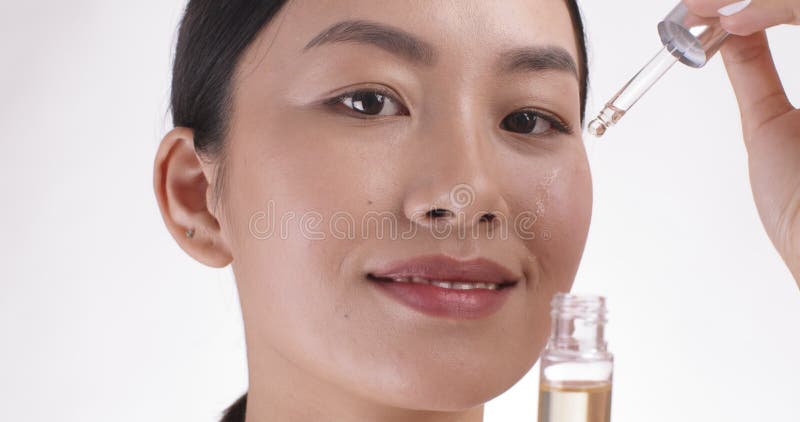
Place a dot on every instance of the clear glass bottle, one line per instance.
(576, 367)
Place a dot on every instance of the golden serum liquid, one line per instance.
(589, 403)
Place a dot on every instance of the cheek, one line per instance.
(306, 174)
(284, 189)
(559, 200)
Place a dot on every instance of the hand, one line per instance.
(770, 124)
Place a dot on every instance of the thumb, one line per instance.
(755, 80)
(744, 18)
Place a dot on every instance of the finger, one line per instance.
(747, 16)
(758, 15)
(755, 80)
(708, 8)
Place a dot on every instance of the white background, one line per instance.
(103, 317)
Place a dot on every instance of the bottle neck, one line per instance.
(578, 324)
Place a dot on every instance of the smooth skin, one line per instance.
(323, 343)
(770, 124)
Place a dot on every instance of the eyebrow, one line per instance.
(419, 52)
(537, 59)
(393, 40)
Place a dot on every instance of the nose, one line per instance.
(455, 182)
(458, 204)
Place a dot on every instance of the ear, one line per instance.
(182, 183)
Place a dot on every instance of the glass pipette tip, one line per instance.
(632, 91)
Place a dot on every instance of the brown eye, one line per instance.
(526, 122)
(371, 103)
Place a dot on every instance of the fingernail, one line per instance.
(733, 8)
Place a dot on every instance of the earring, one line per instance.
(190, 233)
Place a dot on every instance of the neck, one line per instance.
(279, 390)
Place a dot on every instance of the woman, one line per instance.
(401, 187)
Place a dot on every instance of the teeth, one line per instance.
(462, 286)
(470, 286)
(455, 285)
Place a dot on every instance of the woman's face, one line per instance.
(321, 190)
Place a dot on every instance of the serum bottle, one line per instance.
(576, 367)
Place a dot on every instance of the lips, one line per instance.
(445, 269)
(441, 286)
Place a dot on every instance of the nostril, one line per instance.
(439, 212)
(488, 217)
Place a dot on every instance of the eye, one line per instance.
(371, 102)
(532, 123)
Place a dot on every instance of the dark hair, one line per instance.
(212, 37)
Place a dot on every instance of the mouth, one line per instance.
(449, 273)
(455, 285)
(442, 286)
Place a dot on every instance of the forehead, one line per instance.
(462, 32)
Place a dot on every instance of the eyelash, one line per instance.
(557, 124)
(341, 97)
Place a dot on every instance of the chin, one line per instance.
(451, 387)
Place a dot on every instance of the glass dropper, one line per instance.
(687, 38)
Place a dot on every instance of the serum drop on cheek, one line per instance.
(576, 367)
